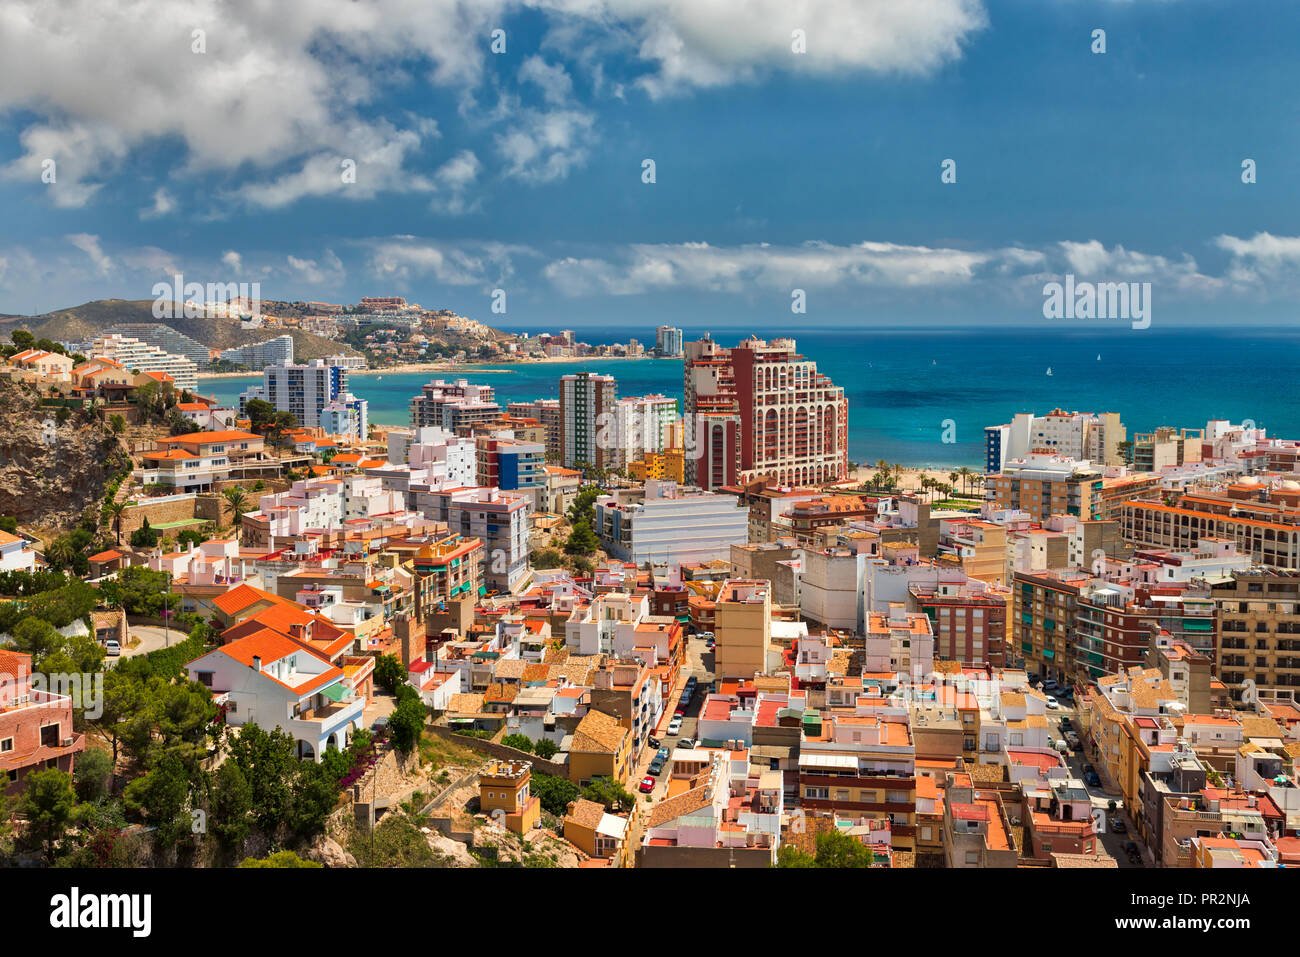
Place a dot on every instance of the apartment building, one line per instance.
(1258, 612)
(969, 620)
(761, 409)
(302, 390)
(1043, 485)
(1268, 536)
(668, 523)
(587, 435)
(454, 406)
(259, 355)
(138, 356)
(743, 628)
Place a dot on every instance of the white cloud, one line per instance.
(545, 146)
(405, 258)
(1261, 257)
(706, 43)
(553, 80)
(1092, 260)
(700, 266)
(329, 271)
(453, 180)
(163, 203)
(89, 245)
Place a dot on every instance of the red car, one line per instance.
(679, 713)
(647, 785)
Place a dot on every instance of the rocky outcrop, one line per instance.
(329, 852)
(51, 472)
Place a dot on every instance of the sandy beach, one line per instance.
(910, 479)
(477, 368)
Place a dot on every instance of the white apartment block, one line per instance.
(668, 524)
(139, 356)
(637, 425)
(302, 390)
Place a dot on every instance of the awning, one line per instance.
(482, 589)
(837, 761)
(335, 692)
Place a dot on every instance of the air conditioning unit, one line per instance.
(67, 742)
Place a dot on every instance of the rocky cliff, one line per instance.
(50, 472)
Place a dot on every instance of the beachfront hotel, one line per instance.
(761, 409)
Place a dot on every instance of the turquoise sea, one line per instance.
(903, 385)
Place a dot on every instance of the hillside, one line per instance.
(86, 321)
(50, 472)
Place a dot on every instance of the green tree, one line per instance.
(545, 748)
(390, 673)
(91, 774)
(268, 763)
(610, 793)
(144, 536)
(315, 794)
(837, 849)
(116, 423)
(236, 503)
(48, 804)
(259, 412)
(406, 724)
(114, 512)
(161, 797)
(582, 540)
(791, 856)
(554, 793)
(520, 742)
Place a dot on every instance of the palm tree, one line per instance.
(965, 474)
(58, 553)
(952, 478)
(236, 503)
(114, 510)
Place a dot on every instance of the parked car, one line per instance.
(686, 743)
(675, 725)
(653, 742)
(656, 766)
(1072, 740)
(1132, 848)
(679, 713)
(112, 647)
(1118, 826)
(1053, 704)
(1066, 724)
(1092, 780)
(1088, 769)
(647, 785)
(664, 753)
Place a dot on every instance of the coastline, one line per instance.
(478, 368)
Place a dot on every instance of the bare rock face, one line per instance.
(329, 852)
(50, 472)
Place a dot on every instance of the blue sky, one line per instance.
(774, 170)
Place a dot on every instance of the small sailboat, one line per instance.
(1049, 370)
(1098, 356)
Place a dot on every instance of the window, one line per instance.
(49, 735)
(205, 678)
(6, 744)
(972, 857)
(927, 833)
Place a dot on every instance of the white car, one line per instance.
(1053, 704)
(112, 647)
(675, 725)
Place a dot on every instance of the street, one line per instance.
(1110, 843)
(699, 662)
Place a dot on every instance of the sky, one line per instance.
(334, 149)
